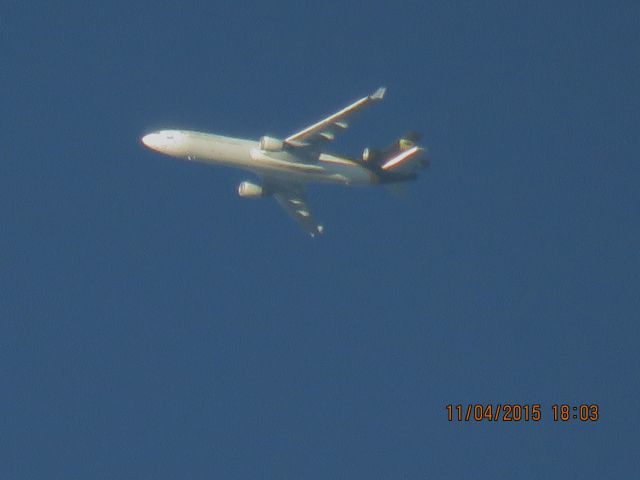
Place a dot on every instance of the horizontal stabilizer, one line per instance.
(402, 158)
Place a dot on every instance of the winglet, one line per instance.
(379, 94)
(319, 230)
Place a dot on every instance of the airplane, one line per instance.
(285, 166)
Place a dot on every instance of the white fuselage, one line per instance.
(246, 154)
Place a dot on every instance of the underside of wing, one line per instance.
(292, 198)
(326, 130)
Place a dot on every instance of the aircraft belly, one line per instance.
(245, 155)
(333, 174)
(223, 153)
(349, 175)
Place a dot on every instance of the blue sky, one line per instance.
(155, 325)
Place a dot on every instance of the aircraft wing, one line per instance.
(292, 198)
(326, 129)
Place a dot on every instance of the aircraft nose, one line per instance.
(150, 140)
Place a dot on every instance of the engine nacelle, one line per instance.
(270, 144)
(250, 190)
(368, 154)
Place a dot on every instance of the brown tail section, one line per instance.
(404, 155)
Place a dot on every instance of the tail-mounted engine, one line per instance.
(369, 154)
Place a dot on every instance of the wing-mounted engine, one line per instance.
(250, 190)
(270, 144)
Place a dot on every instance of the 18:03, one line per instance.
(583, 412)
